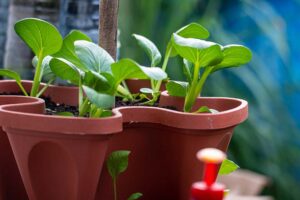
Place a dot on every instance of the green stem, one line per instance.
(124, 92)
(164, 67)
(196, 87)
(37, 76)
(45, 87)
(83, 107)
(115, 189)
(22, 88)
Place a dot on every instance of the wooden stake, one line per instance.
(108, 26)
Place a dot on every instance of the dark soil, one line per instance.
(53, 108)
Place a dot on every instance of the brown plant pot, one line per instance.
(58, 157)
(163, 145)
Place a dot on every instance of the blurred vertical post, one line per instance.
(17, 55)
(3, 24)
(108, 26)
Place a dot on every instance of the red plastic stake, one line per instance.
(208, 189)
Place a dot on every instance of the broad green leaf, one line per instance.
(101, 100)
(128, 69)
(10, 74)
(93, 56)
(117, 163)
(67, 50)
(42, 37)
(177, 88)
(146, 90)
(198, 51)
(66, 114)
(135, 196)
(192, 30)
(47, 72)
(228, 167)
(97, 82)
(233, 56)
(188, 68)
(65, 70)
(15, 76)
(150, 48)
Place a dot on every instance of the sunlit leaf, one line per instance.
(150, 48)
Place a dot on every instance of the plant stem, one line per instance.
(37, 76)
(22, 89)
(83, 107)
(115, 189)
(164, 67)
(196, 88)
(124, 92)
(45, 87)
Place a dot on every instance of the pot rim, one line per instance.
(133, 114)
(12, 116)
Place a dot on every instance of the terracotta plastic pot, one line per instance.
(11, 185)
(58, 157)
(163, 144)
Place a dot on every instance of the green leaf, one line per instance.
(135, 196)
(117, 163)
(205, 109)
(66, 114)
(97, 81)
(228, 167)
(177, 88)
(234, 56)
(198, 51)
(15, 76)
(146, 90)
(101, 100)
(10, 74)
(93, 56)
(106, 113)
(150, 48)
(67, 50)
(65, 70)
(192, 30)
(128, 69)
(42, 37)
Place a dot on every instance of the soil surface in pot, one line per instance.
(53, 108)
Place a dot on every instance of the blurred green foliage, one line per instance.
(267, 142)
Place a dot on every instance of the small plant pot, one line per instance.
(163, 145)
(11, 185)
(58, 157)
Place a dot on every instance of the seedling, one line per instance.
(97, 75)
(201, 59)
(192, 30)
(117, 163)
(44, 40)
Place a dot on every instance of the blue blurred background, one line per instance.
(269, 142)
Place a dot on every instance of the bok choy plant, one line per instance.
(44, 40)
(201, 59)
(192, 30)
(97, 75)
